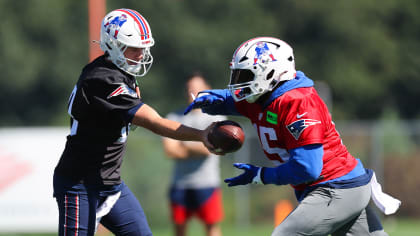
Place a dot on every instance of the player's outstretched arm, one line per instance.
(214, 102)
(148, 118)
(305, 165)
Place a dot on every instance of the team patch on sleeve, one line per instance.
(296, 128)
(272, 117)
(123, 89)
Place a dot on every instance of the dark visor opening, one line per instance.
(240, 76)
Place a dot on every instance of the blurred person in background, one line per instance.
(195, 184)
(296, 131)
(103, 105)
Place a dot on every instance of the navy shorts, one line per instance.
(204, 203)
(78, 205)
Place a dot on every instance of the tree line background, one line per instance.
(366, 51)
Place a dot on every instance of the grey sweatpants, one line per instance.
(336, 212)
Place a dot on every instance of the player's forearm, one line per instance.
(175, 130)
(304, 166)
(148, 118)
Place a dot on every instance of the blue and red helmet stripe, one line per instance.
(141, 22)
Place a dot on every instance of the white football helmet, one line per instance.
(124, 28)
(258, 65)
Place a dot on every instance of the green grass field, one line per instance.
(394, 227)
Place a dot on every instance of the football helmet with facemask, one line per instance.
(124, 28)
(258, 65)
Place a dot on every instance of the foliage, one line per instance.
(43, 50)
(366, 51)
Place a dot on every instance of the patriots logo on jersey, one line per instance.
(123, 89)
(296, 128)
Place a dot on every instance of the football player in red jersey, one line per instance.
(296, 131)
(103, 105)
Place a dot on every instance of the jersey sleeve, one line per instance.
(112, 97)
(303, 123)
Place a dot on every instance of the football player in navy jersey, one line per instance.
(296, 132)
(104, 103)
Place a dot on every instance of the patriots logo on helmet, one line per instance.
(123, 89)
(296, 128)
(115, 24)
(263, 53)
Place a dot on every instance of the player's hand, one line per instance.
(247, 177)
(206, 98)
(207, 143)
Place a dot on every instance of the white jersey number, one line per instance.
(75, 124)
(269, 134)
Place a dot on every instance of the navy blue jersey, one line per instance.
(101, 107)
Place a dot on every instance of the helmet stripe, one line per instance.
(240, 46)
(141, 22)
(244, 43)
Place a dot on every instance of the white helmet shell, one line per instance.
(124, 28)
(258, 65)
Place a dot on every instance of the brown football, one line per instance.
(227, 136)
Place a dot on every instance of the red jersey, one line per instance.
(297, 118)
